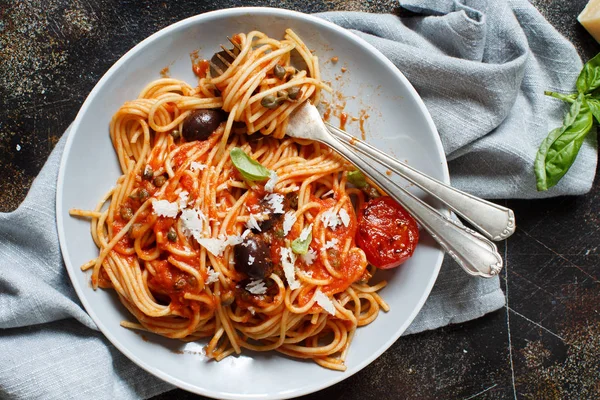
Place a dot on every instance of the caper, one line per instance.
(126, 213)
(141, 194)
(172, 235)
(269, 102)
(179, 284)
(294, 92)
(176, 134)
(148, 173)
(159, 180)
(282, 94)
(279, 71)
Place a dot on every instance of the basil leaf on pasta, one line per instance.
(357, 179)
(249, 168)
(301, 246)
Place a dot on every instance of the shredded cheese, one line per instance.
(213, 276)
(310, 257)
(324, 302)
(216, 246)
(196, 166)
(288, 259)
(344, 216)
(164, 208)
(330, 219)
(192, 223)
(288, 222)
(305, 232)
(331, 243)
(256, 287)
(270, 185)
(253, 223)
(276, 202)
(183, 199)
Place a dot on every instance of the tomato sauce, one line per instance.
(343, 120)
(200, 68)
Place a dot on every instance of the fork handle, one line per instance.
(477, 255)
(494, 221)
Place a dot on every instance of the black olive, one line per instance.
(200, 124)
(268, 224)
(291, 199)
(253, 257)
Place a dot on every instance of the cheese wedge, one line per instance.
(590, 18)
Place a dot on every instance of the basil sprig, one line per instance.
(250, 169)
(560, 148)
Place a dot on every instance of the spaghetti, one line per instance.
(197, 247)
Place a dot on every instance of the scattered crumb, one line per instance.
(334, 59)
(388, 172)
(165, 72)
(344, 69)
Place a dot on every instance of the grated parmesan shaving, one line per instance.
(213, 276)
(245, 233)
(270, 185)
(253, 223)
(331, 243)
(288, 259)
(196, 166)
(276, 202)
(183, 199)
(256, 287)
(324, 302)
(330, 193)
(288, 222)
(192, 222)
(250, 260)
(344, 216)
(305, 232)
(164, 208)
(330, 219)
(216, 246)
(309, 257)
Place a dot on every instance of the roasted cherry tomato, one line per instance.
(387, 233)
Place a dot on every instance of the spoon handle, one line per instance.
(477, 255)
(494, 221)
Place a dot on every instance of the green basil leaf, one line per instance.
(589, 77)
(559, 150)
(249, 168)
(357, 179)
(301, 246)
(594, 106)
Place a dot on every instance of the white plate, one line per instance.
(398, 123)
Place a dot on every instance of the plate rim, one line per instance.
(72, 131)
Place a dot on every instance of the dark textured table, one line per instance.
(545, 344)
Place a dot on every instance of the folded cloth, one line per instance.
(481, 68)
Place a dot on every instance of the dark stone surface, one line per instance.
(544, 344)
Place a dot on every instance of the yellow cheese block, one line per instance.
(590, 18)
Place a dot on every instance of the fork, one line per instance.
(476, 254)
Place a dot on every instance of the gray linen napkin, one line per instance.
(481, 69)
